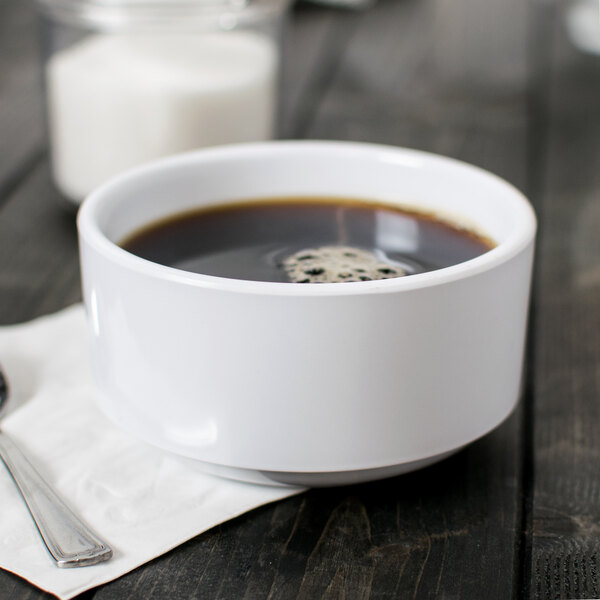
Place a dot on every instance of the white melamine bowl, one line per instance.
(307, 384)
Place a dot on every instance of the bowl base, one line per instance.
(318, 479)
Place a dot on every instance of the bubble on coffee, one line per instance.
(338, 264)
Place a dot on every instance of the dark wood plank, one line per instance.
(39, 268)
(566, 503)
(311, 34)
(313, 47)
(445, 77)
(21, 137)
(15, 588)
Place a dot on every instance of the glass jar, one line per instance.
(129, 81)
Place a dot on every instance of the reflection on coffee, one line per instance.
(306, 240)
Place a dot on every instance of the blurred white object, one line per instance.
(582, 19)
(129, 82)
(116, 101)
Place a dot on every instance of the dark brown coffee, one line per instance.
(306, 240)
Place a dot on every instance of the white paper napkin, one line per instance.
(141, 501)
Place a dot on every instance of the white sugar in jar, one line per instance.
(129, 82)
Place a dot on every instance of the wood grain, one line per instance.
(566, 504)
(21, 130)
(39, 268)
(423, 75)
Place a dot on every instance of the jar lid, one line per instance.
(111, 15)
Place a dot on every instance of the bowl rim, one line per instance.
(520, 238)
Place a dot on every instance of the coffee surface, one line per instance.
(306, 240)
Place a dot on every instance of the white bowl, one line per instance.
(307, 384)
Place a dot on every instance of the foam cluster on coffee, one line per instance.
(337, 264)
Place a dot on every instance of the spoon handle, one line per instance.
(69, 541)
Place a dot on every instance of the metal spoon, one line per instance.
(70, 542)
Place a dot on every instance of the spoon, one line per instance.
(70, 542)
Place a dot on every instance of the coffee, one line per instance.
(306, 240)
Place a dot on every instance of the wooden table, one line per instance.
(516, 514)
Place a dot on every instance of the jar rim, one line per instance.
(111, 15)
